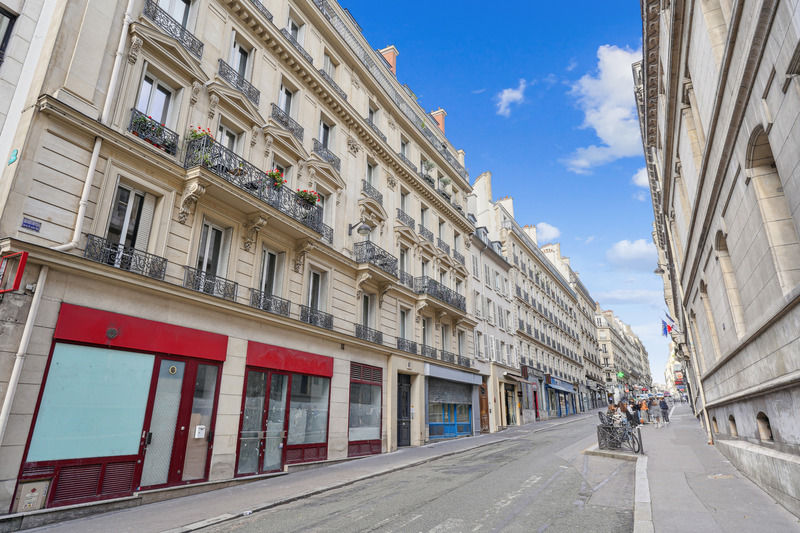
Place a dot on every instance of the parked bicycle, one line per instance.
(620, 436)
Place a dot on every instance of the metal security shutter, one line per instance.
(366, 373)
(443, 391)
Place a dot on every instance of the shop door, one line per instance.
(178, 431)
(403, 410)
(511, 407)
(484, 399)
(262, 437)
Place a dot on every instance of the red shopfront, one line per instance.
(285, 409)
(127, 404)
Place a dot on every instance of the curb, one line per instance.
(623, 456)
(642, 510)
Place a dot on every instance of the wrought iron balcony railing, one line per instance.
(369, 252)
(269, 302)
(427, 178)
(426, 233)
(516, 260)
(443, 246)
(232, 76)
(315, 317)
(335, 86)
(371, 191)
(449, 357)
(464, 361)
(124, 257)
(206, 152)
(369, 334)
(431, 287)
(264, 11)
(407, 161)
(519, 291)
(405, 218)
(459, 257)
(406, 345)
(376, 129)
(521, 325)
(283, 118)
(153, 132)
(198, 280)
(322, 151)
(444, 194)
(297, 45)
(528, 329)
(407, 279)
(173, 28)
(428, 351)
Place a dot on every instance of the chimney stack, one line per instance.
(438, 116)
(390, 54)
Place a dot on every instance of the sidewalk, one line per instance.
(193, 512)
(694, 488)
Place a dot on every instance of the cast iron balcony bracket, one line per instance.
(369, 334)
(232, 76)
(371, 191)
(403, 217)
(151, 131)
(443, 246)
(269, 303)
(333, 84)
(264, 11)
(375, 128)
(124, 257)
(327, 155)
(406, 345)
(281, 117)
(316, 317)
(369, 252)
(297, 45)
(426, 233)
(173, 28)
(198, 280)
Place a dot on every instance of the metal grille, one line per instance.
(264, 11)
(369, 334)
(232, 76)
(316, 317)
(406, 345)
(428, 351)
(124, 257)
(153, 132)
(281, 117)
(369, 252)
(77, 482)
(371, 191)
(443, 246)
(431, 287)
(444, 194)
(426, 233)
(327, 155)
(269, 302)
(173, 28)
(297, 45)
(407, 279)
(449, 357)
(335, 86)
(407, 161)
(214, 285)
(118, 478)
(361, 372)
(459, 257)
(377, 130)
(404, 217)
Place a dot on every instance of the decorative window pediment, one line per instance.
(236, 101)
(164, 48)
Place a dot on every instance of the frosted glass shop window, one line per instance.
(308, 409)
(93, 404)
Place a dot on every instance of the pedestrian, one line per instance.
(644, 412)
(664, 410)
(635, 412)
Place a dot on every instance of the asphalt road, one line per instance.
(536, 481)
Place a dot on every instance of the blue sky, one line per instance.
(541, 94)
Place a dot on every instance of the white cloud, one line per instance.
(630, 296)
(572, 64)
(609, 109)
(640, 179)
(478, 91)
(546, 232)
(641, 196)
(509, 96)
(637, 255)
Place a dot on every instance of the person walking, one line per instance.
(664, 410)
(636, 414)
(644, 412)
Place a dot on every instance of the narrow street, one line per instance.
(535, 481)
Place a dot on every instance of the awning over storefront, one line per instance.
(560, 385)
(530, 381)
(452, 374)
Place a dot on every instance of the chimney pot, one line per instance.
(390, 54)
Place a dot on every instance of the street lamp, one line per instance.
(363, 229)
(660, 271)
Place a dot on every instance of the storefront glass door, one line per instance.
(262, 438)
(275, 437)
(160, 437)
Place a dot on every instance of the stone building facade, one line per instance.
(718, 93)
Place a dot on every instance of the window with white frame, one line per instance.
(213, 250)
(227, 137)
(372, 173)
(131, 218)
(325, 132)
(329, 65)
(403, 147)
(177, 9)
(272, 264)
(296, 28)
(283, 168)
(479, 345)
(155, 99)
(286, 99)
(317, 285)
(240, 56)
(403, 325)
(462, 343)
(367, 303)
(426, 331)
(475, 268)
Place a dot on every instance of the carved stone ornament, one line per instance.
(352, 146)
(268, 140)
(254, 131)
(339, 197)
(251, 230)
(392, 125)
(391, 182)
(136, 47)
(191, 193)
(301, 252)
(383, 289)
(356, 82)
(362, 278)
(212, 105)
(418, 311)
(196, 87)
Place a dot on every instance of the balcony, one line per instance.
(152, 132)
(428, 351)
(428, 179)
(369, 252)
(407, 161)
(335, 86)
(198, 280)
(426, 233)
(516, 259)
(297, 45)
(263, 10)
(377, 130)
(127, 258)
(521, 325)
(430, 287)
(443, 246)
(371, 191)
(407, 279)
(269, 303)
(464, 361)
(282, 117)
(404, 217)
(369, 334)
(448, 357)
(315, 317)
(173, 28)
(326, 155)
(406, 345)
(206, 152)
(237, 81)
(459, 257)
(444, 194)
(528, 329)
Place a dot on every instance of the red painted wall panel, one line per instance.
(84, 324)
(280, 358)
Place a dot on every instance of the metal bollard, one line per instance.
(641, 442)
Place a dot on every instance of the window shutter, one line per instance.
(145, 222)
